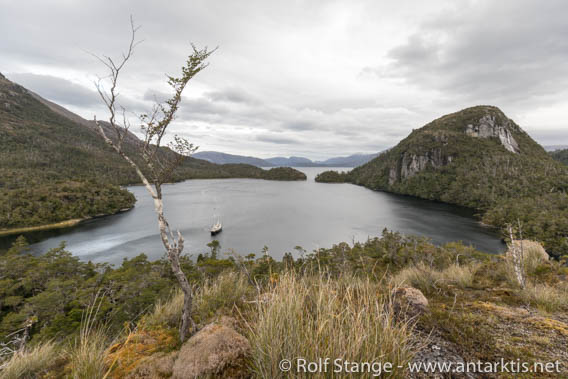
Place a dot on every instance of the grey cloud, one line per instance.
(278, 75)
(65, 92)
(156, 96)
(56, 89)
(512, 51)
(546, 136)
(299, 125)
(201, 108)
(232, 95)
(280, 140)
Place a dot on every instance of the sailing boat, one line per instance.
(216, 228)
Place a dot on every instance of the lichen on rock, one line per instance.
(409, 302)
(217, 350)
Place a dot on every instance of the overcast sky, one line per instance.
(309, 78)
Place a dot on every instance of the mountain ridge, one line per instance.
(352, 160)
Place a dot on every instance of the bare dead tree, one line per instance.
(517, 256)
(159, 163)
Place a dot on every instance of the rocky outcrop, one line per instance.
(409, 302)
(217, 350)
(489, 127)
(411, 164)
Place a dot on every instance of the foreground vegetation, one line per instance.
(440, 161)
(91, 320)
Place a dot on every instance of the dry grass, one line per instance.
(215, 296)
(460, 275)
(87, 356)
(545, 297)
(221, 295)
(313, 317)
(533, 256)
(166, 313)
(420, 276)
(30, 363)
(429, 280)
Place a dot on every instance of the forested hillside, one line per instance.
(560, 156)
(480, 159)
(54, 166)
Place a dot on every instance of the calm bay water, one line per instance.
(256, 213)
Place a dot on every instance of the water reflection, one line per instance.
(255, 213)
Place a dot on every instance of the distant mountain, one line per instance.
(480, 159)
(349, 161)
(55, 167)
(555, 147)
(291, 162)
(223, 158)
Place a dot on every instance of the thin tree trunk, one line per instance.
(173, 247)
(155, 128)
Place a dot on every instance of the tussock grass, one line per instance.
(166, 313)
(545, 297)
(428, 279)
(460, 275)
(533, 255)
(313, 317)
(421, 276)
(87, 356)
(30, 363)
(533, 258)
(221, 294)
(217, 295)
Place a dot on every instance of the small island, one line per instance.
(332, 176)
(284, 173)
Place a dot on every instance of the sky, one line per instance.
(305, 78)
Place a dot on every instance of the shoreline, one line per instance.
(57, 225)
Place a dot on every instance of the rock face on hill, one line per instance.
(488, 126)
(478, 158)
(475, 134)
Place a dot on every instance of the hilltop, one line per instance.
(55, 167)
(478, 158)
